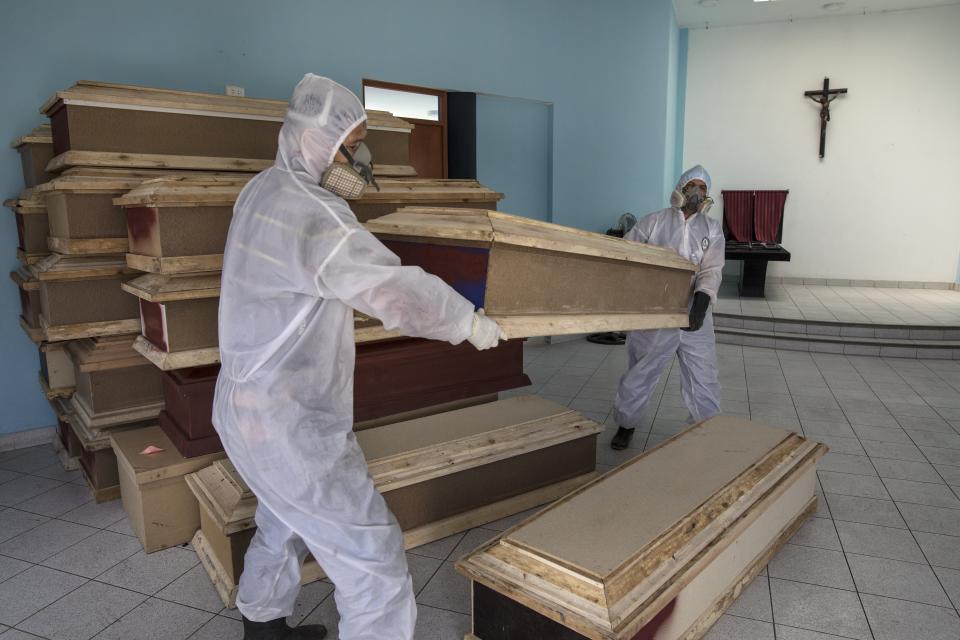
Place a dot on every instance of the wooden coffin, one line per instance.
(115, 385)
(28, 286)
(187, 417)
(80, 297)
(65, 443)
(30, 212)
(657, 548)
(537, 278)
(36, 151)
(116, 125)
(162, 510)
(440, 475)
(57, 375)
(179, 224)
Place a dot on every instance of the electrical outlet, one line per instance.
(234, 90)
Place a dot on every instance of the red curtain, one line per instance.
(768, 213)
(738, 214)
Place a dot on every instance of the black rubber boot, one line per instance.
(278, 630)
(622, 439)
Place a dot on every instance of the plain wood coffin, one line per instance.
(66, 445)
(657, 548)
(28, 286)
(162, 510)
(36, 151)
(179, 224)
(57, 374)
(537, 278)
(102, 124)
(439, 474)
(30, 212)
(80, 297)
(115, 385)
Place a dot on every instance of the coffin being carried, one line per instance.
(536, 278)
(656, 549)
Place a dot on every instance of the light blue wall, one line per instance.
(514, 153)
(682, 48)
(603, 64)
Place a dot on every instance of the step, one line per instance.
(847, 345)
(821, 328)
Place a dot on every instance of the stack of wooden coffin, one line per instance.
(655, 549)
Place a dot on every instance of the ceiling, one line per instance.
(698, 14)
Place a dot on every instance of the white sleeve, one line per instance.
(365, 275)
(711, 265)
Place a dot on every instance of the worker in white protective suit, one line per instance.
(686, 228)
(297, 263)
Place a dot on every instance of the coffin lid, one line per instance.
(482, 227)
(414, 451)
(157, 287)
(117, 180)
(684, 495)
(148, 468)
(40, 135)
(25, 279)
(223, 190)
(28, 202)
(102, 354)
(60, 267)
(88, 92)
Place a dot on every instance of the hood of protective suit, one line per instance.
(694, 173)
(320, 116)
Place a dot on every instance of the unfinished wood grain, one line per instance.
(175, 265)
(85, 179)
(186, 190)
(157, 287)
(57, 267)
(69, 159)
(41, 134)
(37, 335)
(104, 354)
(25, 280)
(557, 325)
(394, 170)
(88, 246)
(55, 394)
(88, 329)
(30, 259)
(29, 202)
(384, 120)
(177, 360)
(113, 418)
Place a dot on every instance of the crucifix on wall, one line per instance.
(824, 97)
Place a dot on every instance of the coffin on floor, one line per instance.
(657, 548)
(439, 475)
(80, 297)
(36, 151)
(537, 278)
(103, 124)
(178, 224)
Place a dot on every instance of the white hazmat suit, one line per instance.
(296, 264)
(700, 240)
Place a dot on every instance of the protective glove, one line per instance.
(698, 310)
(486, 333)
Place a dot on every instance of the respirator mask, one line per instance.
(349, 179)
(692, 197)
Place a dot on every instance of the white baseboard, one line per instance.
(29, 438)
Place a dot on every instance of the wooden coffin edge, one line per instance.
(30, 259)
(69, 463)
(37, 335)
(103, 494)
(155, 161)
(176, 359)
(520, 326)
(63, 393)
(113, 418)
(87, 246)
(39, 135)
(25, 280)
(127, 357)
(155, 287)
(524, 583)
(413, 538)
(175, 265)
(505, 228)
(48, 269)
(62, 332)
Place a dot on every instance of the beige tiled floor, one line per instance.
(865, 305)
(880, 560)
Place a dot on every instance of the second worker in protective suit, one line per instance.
(297, 263)
(686, 228)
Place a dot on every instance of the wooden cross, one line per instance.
(824, 97)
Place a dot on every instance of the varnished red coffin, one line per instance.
(390, 377)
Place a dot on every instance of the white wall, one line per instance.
(885, 202)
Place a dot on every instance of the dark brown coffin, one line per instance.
(36, 151)
(111, 377)
(30, 213)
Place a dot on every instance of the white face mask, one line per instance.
(349, 179)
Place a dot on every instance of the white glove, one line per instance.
(486, 333)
